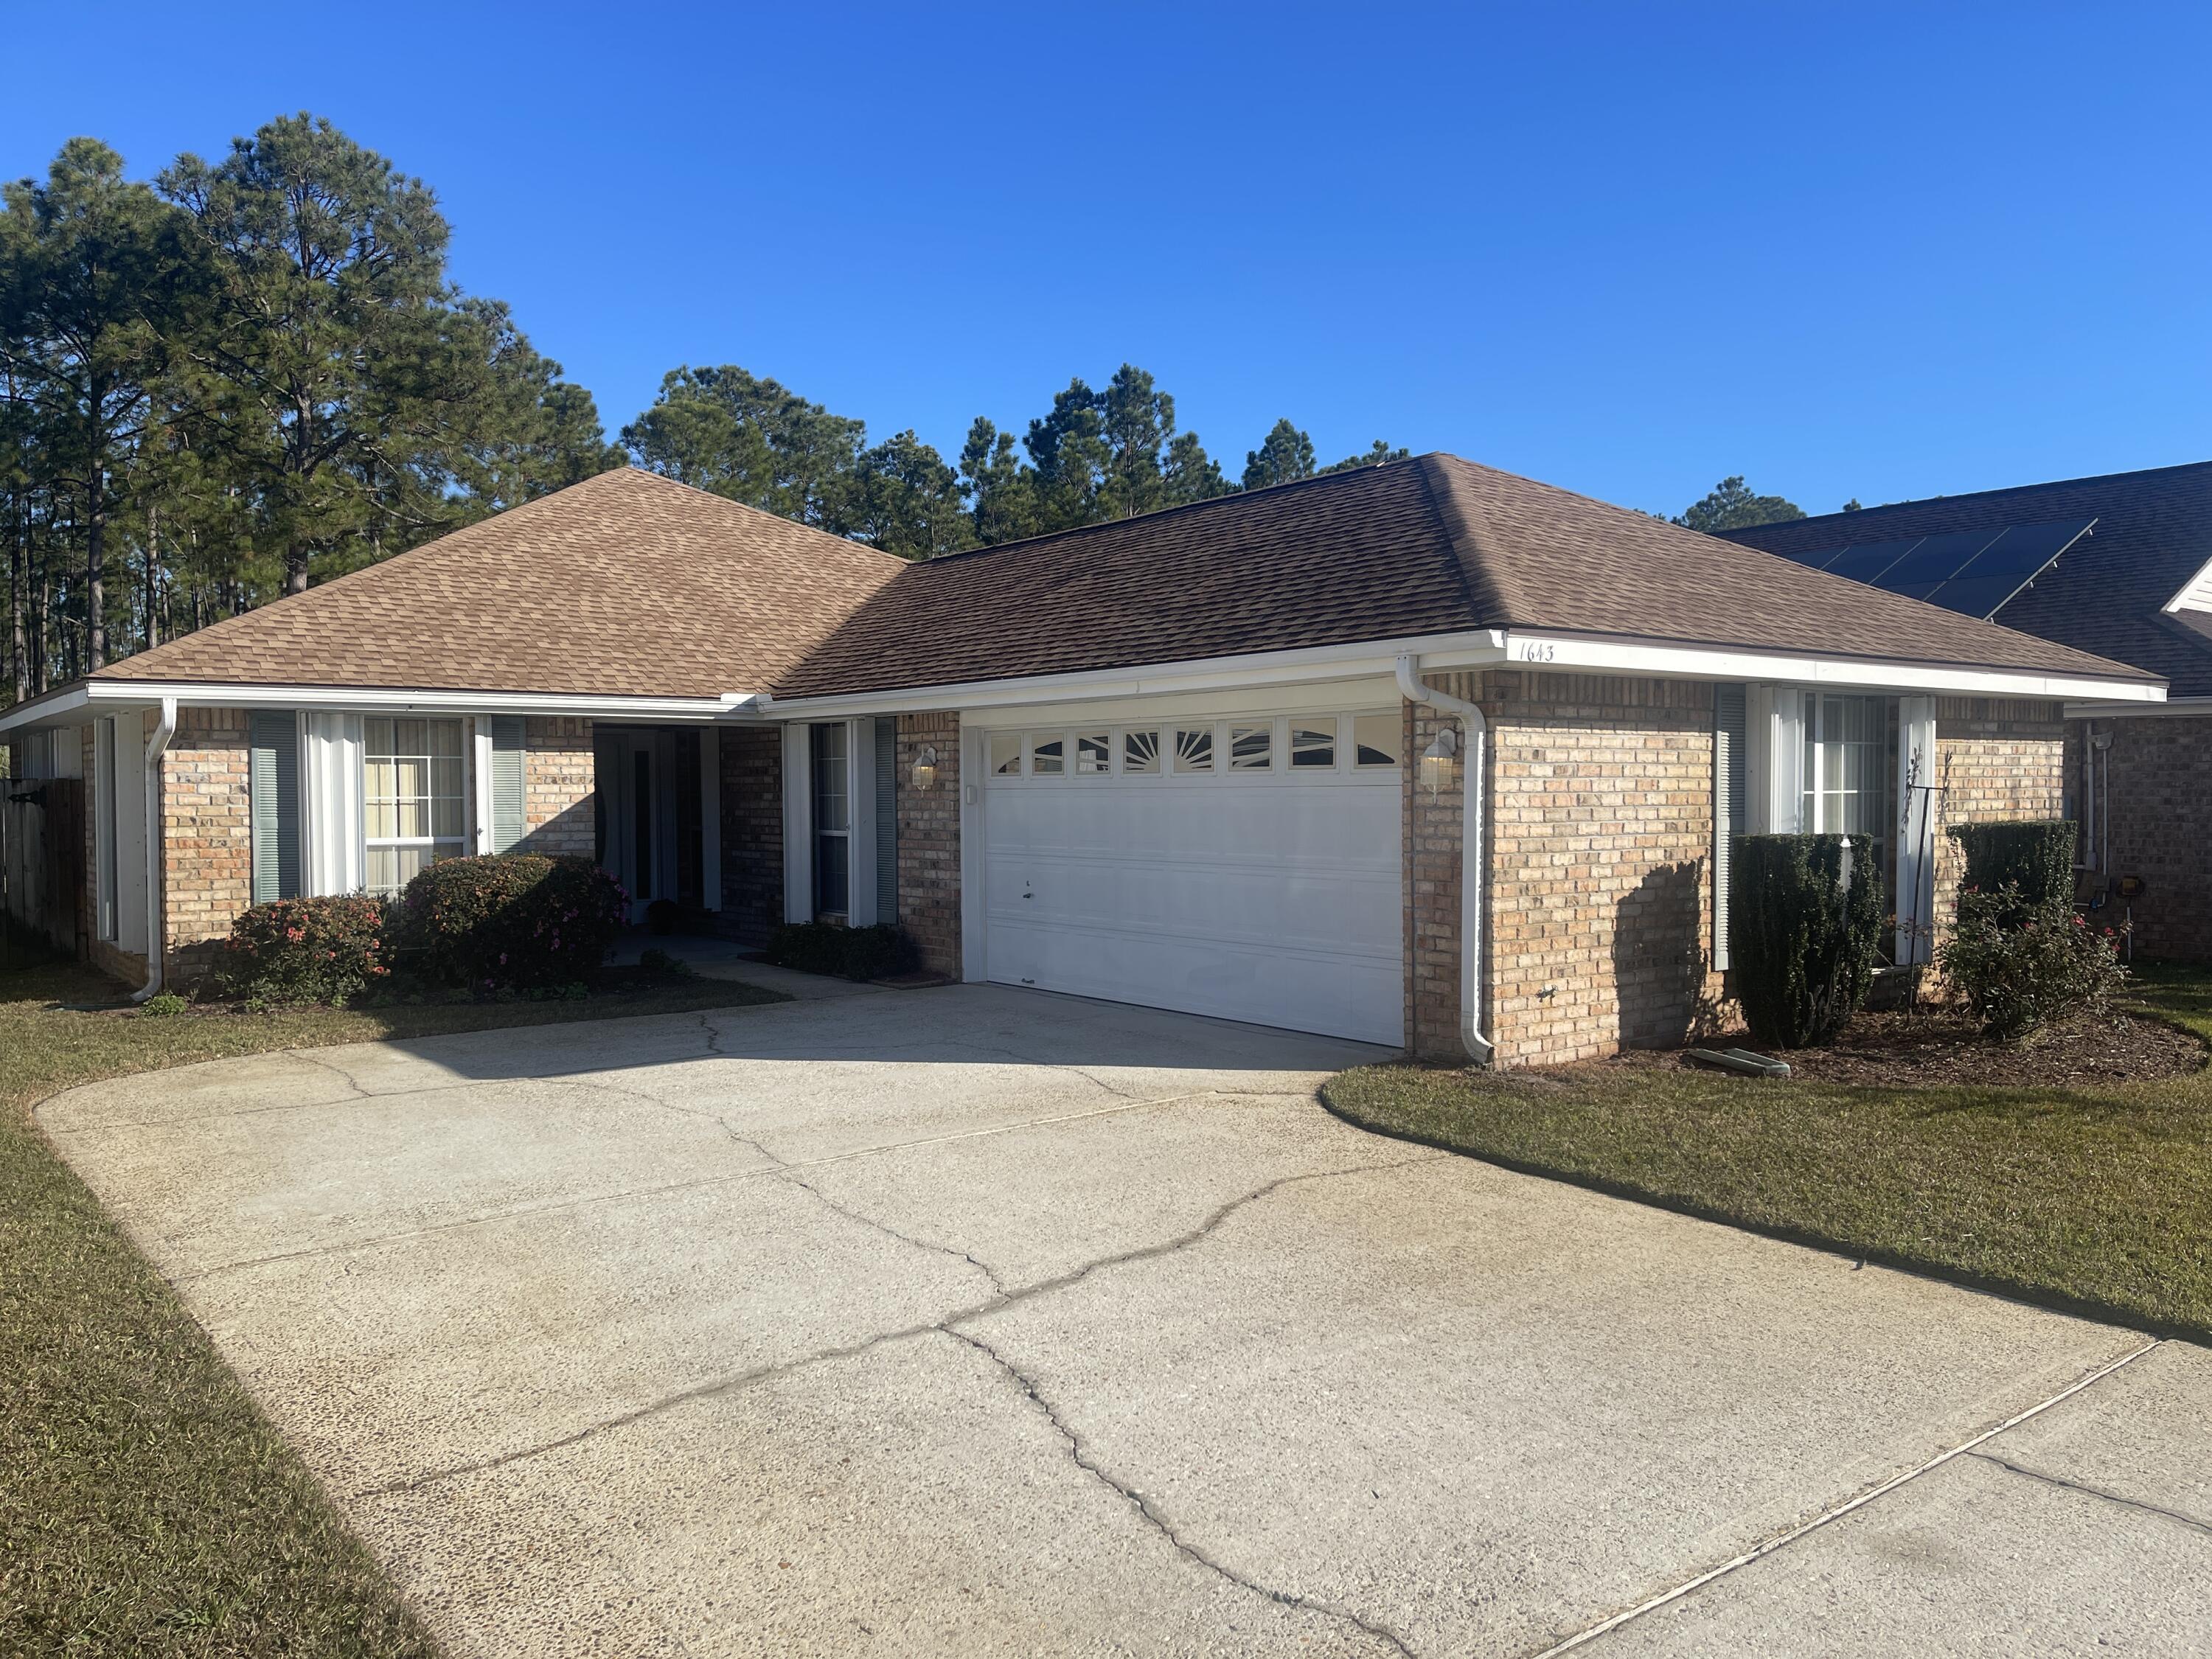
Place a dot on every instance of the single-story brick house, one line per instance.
(2120, 566)
(1424, 753)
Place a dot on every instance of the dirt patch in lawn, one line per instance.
(1936, 1047)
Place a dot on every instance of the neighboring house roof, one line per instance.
(628, 585)
(625, 584)
(1428, 546)
(2109, 591)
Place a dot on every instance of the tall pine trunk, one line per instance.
(152, 574)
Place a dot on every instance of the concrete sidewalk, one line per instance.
(984, 1321)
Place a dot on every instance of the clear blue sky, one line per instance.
(1843, 248)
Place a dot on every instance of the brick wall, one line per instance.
(1996, 759)
(557, 781)
(1433, 870)
(1601, 892)
(207, 835)
(752, 831)
(929, 842)
(2157, 782)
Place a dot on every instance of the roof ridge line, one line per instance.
(1486, 590)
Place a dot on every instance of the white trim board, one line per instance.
(370, 699)
(1565, 652)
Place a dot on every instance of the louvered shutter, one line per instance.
(274, 779)
(887, 820)
(508, 823)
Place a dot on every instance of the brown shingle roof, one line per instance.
(625, 584)
(1429, 546)
(629, 585)
(2107, 594)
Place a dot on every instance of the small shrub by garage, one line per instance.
(856, 953)
(305, 949)
(2020, 966)
(2033, 857)
(515, 920)
(1802, 942)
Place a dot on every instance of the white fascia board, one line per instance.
(2196, 594)
(1254, 670)
(57, 708)
(410, 700)
(1530, 649)
(2199, 707)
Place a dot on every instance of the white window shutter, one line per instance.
(1730, 721)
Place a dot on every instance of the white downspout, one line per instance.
(1474, 868)
(157, 743)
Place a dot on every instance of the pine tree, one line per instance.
(1286, 454)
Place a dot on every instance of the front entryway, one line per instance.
(1247, 868)
(650, 821)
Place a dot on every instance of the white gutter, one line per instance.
(157, 743)
(2199, 707)
(372, 700)
(1563, 651)
(1474, 867)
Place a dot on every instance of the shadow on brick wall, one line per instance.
(571, 833)
(1659, 964)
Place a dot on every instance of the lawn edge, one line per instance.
(2024, 1294)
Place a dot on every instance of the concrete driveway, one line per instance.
(984, 1321)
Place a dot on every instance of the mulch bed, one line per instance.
(1938, 1047)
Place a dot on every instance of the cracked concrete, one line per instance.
(984, 1322)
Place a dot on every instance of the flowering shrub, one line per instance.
(304, 950)
(2019, 976)
(517, 920)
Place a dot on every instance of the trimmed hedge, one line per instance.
(305, 949)
(858, 953)
(514, 920)
(2035, 857)
(1801, 948)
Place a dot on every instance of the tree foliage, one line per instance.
(1731, 505)
(249, 373)
(254, 372)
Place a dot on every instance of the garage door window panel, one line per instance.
(1048, 754)
(1251, 748)
(1006, 754)
(1313, 745)
(1194, 749)
(1094, 753)
(1140, 752)
(1377, 739)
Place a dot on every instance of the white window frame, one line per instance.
(462, 843)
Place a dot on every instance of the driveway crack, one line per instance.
(945, 1325)
(1150, 1512)
(889, 1231)
(314, 1058)
(2088, 1491)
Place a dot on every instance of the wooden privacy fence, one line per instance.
(42, 859)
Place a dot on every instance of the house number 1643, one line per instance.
(1538, 650)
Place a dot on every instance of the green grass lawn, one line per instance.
(2095, 1198)
(146, 1508)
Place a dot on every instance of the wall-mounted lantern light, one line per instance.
(1437, 762)
(925, 770)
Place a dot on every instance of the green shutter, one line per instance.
(887, 820)
(275, 774)
(507, 826)
(1729, 725)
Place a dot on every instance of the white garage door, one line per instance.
(1246, 868)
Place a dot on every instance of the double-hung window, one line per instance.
(413, 800)
(1845, 781)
